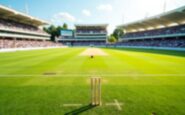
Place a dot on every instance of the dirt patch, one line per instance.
(94, 52)
(49, 73)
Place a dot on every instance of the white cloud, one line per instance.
(86, 12)
(105, 7)
(64, 16)
(79, 21)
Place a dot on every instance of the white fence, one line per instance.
(158, 48)
(26, 49)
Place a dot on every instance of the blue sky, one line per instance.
(112, 12)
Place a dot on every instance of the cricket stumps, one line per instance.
(96, 91)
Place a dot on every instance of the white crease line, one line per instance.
(72, 105)
(110, 104)
(116, 103)
(84, 75)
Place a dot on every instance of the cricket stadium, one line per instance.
(84, 70)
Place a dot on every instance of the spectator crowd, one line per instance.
(10, 24)
(10, 43)
(95, 31)
(157, 32)
(170, 42)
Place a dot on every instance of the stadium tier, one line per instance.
(86, 35)
(19, 30)
(164, 30)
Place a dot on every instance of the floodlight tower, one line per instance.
(164, 6)
(26, 9)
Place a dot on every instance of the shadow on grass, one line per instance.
(155, 51)
(80, 110)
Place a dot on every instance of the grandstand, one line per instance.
(19, 30)
(164, 30)
(89, 35)
(66, 36)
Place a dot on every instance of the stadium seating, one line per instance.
(168, 42)
(12, 25)
(95, 31)
(87, 35)
(163, 30)
(19, 30)
(9, 43)
(164, 37)
(89, 43)
(158, 32)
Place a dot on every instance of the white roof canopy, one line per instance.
(167, 19)
(85, 26)
(8, 13)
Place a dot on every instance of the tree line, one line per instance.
(54, 31)
(114, 37)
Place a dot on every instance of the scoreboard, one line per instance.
(66, 33)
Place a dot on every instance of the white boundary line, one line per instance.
(85, 75)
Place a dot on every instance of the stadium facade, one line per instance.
(87, 34)
(20, 30)
(164, 30)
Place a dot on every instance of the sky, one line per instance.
(112, 12)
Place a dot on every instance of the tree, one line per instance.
(65, 26)
(112, 39)
(58, 29)
(118, 32)
(55, 31)
(52, 31)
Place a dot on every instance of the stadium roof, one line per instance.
(167, 19)
(91, 25)
(12, 14)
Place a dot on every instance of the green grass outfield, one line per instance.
(144, 81)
